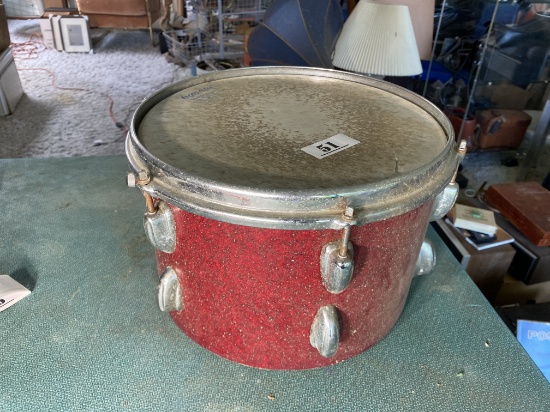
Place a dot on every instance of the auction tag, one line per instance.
(11, 292)
(330, 146)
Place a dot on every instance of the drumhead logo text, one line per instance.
(196, 93)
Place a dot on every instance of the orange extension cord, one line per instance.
(31, 48)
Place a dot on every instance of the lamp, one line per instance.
(378, 39)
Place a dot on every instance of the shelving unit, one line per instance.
(510, 67)
(234, 17)
(218, 31)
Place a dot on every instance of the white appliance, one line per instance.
(10, 85)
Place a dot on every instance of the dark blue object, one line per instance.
(506, 14)
(297, 33)
(437, 71)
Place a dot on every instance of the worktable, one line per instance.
(91, 336)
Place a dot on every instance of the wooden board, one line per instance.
(526, 205)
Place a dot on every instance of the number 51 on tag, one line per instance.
(330, 146)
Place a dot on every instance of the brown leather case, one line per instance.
(526, 205)
(457, 116)
(500, 129)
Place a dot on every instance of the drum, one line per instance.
(288, 208)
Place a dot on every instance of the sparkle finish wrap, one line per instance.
(250, 295)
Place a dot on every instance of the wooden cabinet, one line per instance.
(485, 267)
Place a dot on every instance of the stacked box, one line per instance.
(10, 85)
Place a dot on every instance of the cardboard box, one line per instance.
(47, 33)
(54, 4)
(485, 267)
(59, 12)
(506, 96)
(59, 8)
(4, 32)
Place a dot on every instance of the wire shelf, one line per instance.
(232, 6)
(238, 23)
(191, 47)
(223, 25)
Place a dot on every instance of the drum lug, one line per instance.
(337, 258)
(444, 201)
(426, 259)
(169, 291)
(336, 270)
(160, 228)
(325, 331)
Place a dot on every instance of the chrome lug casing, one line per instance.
(325, 331)
(160, 228)
(426, 259)
(170, 297)
(336, 270)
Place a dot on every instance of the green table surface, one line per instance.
(91, 336)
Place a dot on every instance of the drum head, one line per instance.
(291, 147)
(254, 131)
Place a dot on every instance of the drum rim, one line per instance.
(292, 208)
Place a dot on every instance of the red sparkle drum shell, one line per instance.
(253, 299)
(250, 223)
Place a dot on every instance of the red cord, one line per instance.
(30, 50)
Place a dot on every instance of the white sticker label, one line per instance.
(11, 292)
(329, 146)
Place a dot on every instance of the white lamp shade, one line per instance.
(378, 39)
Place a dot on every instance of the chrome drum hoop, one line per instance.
(294, 209)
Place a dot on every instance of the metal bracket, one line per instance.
(336, 271)
(325, 331)
(169, 291)
(160, 228)
(426, 259)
